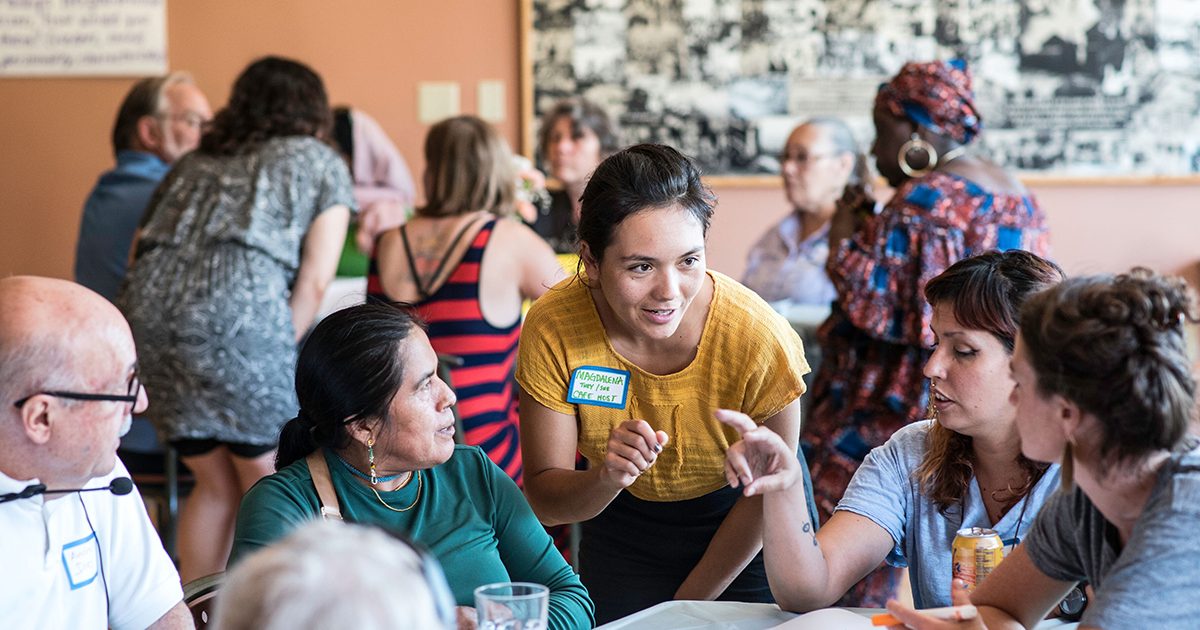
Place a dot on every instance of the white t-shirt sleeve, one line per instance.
(141, 579)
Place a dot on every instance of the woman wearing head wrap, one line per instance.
(950, 202)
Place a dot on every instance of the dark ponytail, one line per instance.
(296, 440)
(349, 369)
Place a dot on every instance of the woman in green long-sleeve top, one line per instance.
(374, 411)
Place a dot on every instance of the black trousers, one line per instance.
(637, 553)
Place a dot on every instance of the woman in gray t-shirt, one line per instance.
(910, 496)
(1104, 385)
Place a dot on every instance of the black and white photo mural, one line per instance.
(1067, 88)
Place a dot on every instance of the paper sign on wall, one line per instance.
(83, 37)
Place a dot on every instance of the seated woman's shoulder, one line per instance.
(912, 433)
(292, 479)
(515, 235)
(469, 469)
(467, 457)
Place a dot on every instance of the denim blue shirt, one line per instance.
(110, 218)
(885, 491)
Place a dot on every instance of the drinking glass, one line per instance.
(512, 606)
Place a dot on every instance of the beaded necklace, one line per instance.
(361, 475)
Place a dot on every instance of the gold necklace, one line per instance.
(410, 505)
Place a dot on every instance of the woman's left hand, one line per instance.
(466, 618)
(917, 620)
(761, 462)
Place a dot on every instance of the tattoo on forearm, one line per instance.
(809, 529)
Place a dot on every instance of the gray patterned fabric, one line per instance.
(207, 296)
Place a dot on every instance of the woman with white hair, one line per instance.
(326, 575)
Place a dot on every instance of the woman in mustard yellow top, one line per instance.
(626, 363)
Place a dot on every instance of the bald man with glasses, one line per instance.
(78, 547)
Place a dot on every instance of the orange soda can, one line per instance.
(975, 553)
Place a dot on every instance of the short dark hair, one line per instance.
(272, 98)
(1116, 346)
(583, 114)
(145, 98)
(349, 369)
(642, 177)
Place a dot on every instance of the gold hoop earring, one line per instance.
(917, 143)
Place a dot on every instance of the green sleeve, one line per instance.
(529, 555)
(272, 509)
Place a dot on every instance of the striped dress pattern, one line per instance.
(487, 403)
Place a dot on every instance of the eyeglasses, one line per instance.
(804, 159)
(131, 395)
(191, 119)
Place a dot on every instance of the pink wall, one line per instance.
(1094, 228)
(54, 132)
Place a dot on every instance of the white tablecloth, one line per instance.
(690, 615)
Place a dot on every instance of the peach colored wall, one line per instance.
(54, 132)
(1094, 228)
(371, 53)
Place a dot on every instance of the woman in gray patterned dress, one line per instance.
(236, 249)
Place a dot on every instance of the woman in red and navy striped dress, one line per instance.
(467, 269)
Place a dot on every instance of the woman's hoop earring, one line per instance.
(916, 143)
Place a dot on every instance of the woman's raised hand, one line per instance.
(633, 447)
(761, 461)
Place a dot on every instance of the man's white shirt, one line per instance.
(56, 566)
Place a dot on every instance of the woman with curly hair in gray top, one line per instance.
(235, 251)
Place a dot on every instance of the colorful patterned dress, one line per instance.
(487, 404)
(876, 341)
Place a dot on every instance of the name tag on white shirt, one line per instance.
(80, 561)
(600, 386)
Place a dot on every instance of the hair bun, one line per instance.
(1150, 301)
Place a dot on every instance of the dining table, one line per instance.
(704, 615)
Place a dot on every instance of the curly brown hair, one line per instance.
(274, 97)
(1116, 347)
(985, 293)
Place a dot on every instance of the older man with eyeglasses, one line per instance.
(159, 121)
(78, 547)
